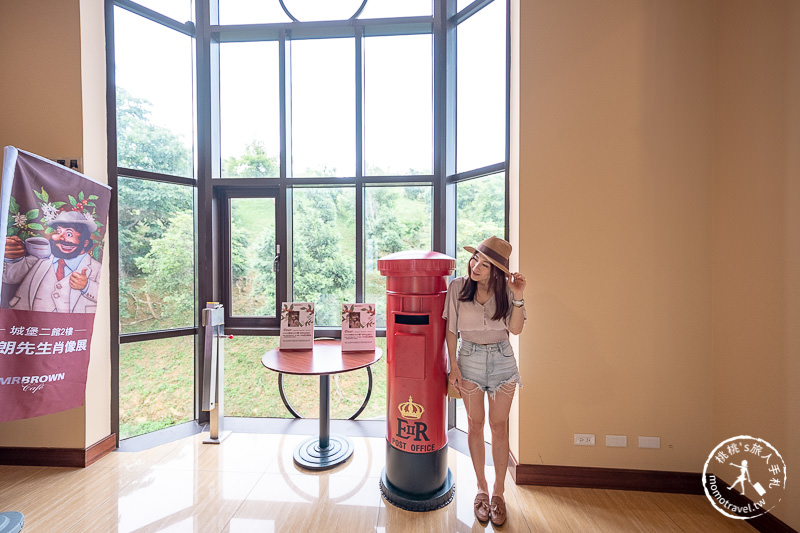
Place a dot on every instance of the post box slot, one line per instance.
(411, 320)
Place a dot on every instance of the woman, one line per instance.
(482, 307)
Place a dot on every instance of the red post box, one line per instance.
(416, 477)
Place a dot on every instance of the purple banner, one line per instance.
(54, 220)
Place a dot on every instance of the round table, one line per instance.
(326, 358)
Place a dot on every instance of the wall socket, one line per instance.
(616, 441)
(649, 442)
(584, 439)
(70, 162)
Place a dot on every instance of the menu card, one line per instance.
(358, 327)
(297, 326)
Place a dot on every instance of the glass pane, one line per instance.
(324, 236)
(481, 89)
(154, 96)
(398, 132)
(347, 392)
(310, 10)
(180, 10)
(323, 108)
(252, 255)
(156, 385)
(395, 219)
(249, 110)
(252, 391)
(251, 12)
(156, 255)
(392, 8)
(480, 214)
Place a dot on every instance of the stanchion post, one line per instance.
(214, 371)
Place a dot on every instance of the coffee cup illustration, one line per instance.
(38, 247)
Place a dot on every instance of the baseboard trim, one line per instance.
(606, 478)
(71, 457)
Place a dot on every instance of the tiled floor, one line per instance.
(250, 483)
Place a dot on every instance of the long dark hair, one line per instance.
(497, 284)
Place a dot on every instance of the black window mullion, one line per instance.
(206, 71)
(283, 210)
(360, 237)
(444, 127)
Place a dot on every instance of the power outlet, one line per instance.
(70, 162)
(649, 442)
(616, 441)
(584, 439)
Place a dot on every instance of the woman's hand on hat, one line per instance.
(517, 285)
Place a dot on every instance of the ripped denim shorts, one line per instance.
(488, 365)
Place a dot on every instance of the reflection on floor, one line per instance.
(250, 483)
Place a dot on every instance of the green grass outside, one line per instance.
(157, 385)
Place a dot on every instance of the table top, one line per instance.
(327, 357)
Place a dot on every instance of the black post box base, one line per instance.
(418, 502)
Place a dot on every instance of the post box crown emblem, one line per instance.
(410, 410)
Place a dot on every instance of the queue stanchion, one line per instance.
(212, 397)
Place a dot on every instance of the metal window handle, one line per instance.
(276, 263)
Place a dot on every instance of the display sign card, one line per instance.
(297, 326)
(358, 327)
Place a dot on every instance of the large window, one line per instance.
(481, 88)
(323, 270)
(156, 255)
(251, 257)
(154, 96)
(249, 110)
(274, 151)
(398, 123)
(323, 107)
(155, 220)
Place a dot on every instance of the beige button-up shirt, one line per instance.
(473, 320)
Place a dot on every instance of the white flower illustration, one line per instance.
(20, 220)
(49, 212)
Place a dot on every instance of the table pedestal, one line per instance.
(325, 451)
(325, 358)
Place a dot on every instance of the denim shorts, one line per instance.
(488, 365)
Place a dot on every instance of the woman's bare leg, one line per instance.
(472, 396)
(499, 409)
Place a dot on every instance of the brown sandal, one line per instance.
(498, 510)
(482, 507)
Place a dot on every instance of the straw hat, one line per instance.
(496, 251)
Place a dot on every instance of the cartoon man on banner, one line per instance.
(66, 280)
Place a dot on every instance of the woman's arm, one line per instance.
(451, 339)
(517, 285)
(517, 320)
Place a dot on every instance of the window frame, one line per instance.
(211, 189)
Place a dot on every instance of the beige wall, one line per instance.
(657, 166)
(95, 158)
(756, 231)
(616, 125)
(53, 104)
